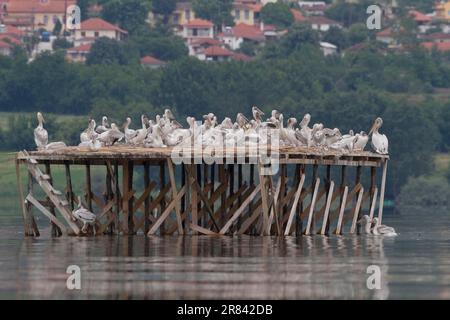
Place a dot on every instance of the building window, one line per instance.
(45, 20)
(187, 13)
(96, 34)
(247, 14)
(83, 34)
(237, 14)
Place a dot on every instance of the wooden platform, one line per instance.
(221, 198)
(76, 155)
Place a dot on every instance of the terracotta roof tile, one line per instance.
(419, 16)
(245, 31)
(216, 51)
(199, 23)
(98, 24)
(81, 48)
(38, 6)
(149, 60)
(13, 31)
(439, 46)
(298, 16)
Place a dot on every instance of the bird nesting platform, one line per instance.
(145, 190)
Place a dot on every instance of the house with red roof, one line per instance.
(197, 28)
(439, 46)
(216, 53)
(248, 12)
(94, 28)
(11, 35)
(235, 36)
(78, 53)
(196, 46)
(298, 16)
(151, 62)
(386, 36)
(321, 23)
(423, 21)
(27, 14)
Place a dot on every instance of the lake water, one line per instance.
(416, 264)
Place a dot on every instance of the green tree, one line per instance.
(349, 13)
(299, 35)
(128, 14)
(109, 51)
(217, 11)
(336, 36)
(164, 8)
(278, 14)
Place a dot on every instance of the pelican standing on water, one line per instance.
(380, 142)
(40, 134)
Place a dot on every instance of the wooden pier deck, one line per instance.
(310, 193)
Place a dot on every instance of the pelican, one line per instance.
(92, 145)
(349, 134)
(168, 115)
(104, 126)
(154, 139)
(129, 133)
(85, 216)
(257, 114)
(367, 224)
(55, 145)
(361, 141)
(382, 230)
(304, 134)
(275, 115)
(89, 133)
(226, 124)
(113, 135)
(331, 136)
(141, 134)
(40, 134)
(241, 120)
(380, 142)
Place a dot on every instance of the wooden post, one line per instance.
(194, 198)
(173, 185)
(88, 187)
(341, 211)
(147, 198)
(109, 195)
(357, 210)
(162, 183)
(310, 225)
(25, 212)
(325, 222)
(294, 205)
(56, 231)
(118, 198)
(311, 221)
(383, 187)
(69, 191)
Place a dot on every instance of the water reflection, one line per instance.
(201, 267)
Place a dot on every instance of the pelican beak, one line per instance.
(372, 129)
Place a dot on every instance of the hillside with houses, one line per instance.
(239, 34)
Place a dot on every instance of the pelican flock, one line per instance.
(373, 227)
(165, 131)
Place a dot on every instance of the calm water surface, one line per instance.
(415, 265)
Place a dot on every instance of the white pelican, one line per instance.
(154, 138)
(304, 134)
(380, 142)
(361, 141)
(241, 120)
(257, 115)
(113, 135)
(331, 136)
(129, 133)
(226, 123)
(104, 126)
(141, 134)
(382, 230)
(40, 134)
(168, 115)
(367, 224)
(55, 145)
(85, 216)
(89, 133)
